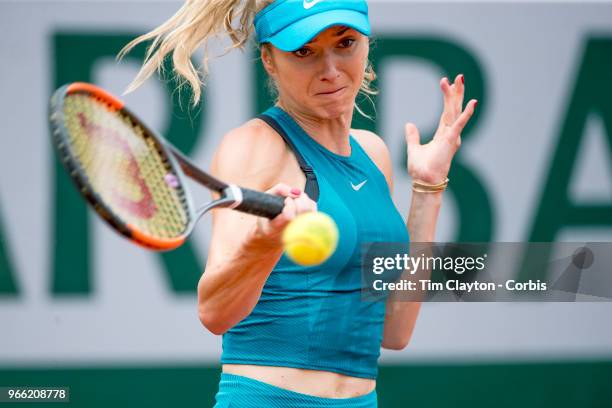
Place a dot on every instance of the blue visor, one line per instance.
(289, 24)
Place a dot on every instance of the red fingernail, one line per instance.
(475, 104)
(462, 79)
(296, 191)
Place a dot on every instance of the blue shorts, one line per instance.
(236, 391)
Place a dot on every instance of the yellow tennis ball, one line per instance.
(310, 238)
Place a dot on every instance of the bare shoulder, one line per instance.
(250, 155)
(376, 148)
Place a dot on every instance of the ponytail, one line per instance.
(193, 25)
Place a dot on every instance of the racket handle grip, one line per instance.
(260, 204)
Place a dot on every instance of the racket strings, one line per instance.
(125, 167)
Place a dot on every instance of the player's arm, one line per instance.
(243, 248)
(428, 163)
(400, 317)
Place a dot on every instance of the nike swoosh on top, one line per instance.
(358, 186)
(310, 4)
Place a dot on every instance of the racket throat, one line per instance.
(231, 197)
(234, 193)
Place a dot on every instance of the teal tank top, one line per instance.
(314, 317)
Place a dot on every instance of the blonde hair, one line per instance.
(192, 26)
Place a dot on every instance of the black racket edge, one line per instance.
(193, 171)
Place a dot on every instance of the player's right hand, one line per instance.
(296, 203)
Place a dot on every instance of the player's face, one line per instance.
(323, 77)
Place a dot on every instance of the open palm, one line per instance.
(430, 163)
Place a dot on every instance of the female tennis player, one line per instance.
(298, 336)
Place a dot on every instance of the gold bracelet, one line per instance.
(421, 187)
(418, 190)
(426, 185)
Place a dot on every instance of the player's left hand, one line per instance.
(430, 163)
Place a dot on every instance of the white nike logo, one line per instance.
(309, 4)
(358, 186)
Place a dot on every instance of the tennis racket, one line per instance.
(132, 177)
